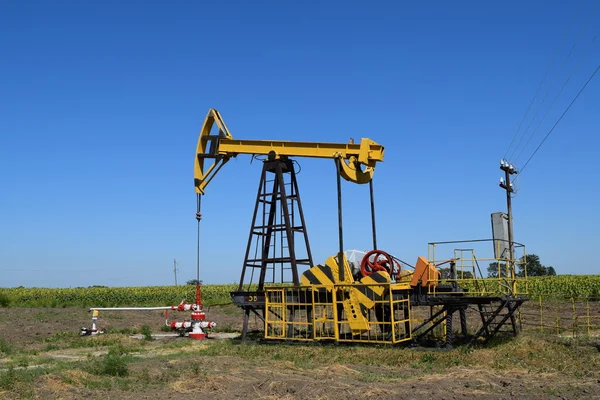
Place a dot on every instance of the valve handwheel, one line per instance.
(377, 260)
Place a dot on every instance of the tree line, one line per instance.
(531, 263)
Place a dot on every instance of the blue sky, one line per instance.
(102, 103)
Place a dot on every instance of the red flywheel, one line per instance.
(378, 260)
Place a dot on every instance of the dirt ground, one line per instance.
(43, 357)
(30, 328)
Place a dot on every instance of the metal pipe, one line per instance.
(475, 240)
(198, 218)
(340, 220)
(373, 214)
(190, 324)
(132, 308)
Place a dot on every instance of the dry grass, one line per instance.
(566, 366)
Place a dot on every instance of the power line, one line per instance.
(555, 99)
(557, 76)
(545, 75)
(560, 118)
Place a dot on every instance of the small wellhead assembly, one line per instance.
(195, 328)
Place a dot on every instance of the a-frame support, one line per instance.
(277, 222)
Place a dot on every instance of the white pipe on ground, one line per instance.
(132, 308)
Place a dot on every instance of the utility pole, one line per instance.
(175, 270)
(507, 185)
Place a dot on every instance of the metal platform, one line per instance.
(325, 313)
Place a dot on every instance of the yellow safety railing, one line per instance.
(378, 313)
(472, 270)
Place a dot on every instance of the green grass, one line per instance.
(71, 340)
(58, 336)
(224, 328)
(147, 332)
(123, 331)
(529, 351)
(8, 378)
(115, 363)
(5, 347)
(21, 381)
(122, 370)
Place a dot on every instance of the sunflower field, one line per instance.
(116, 296)
(557, 287)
